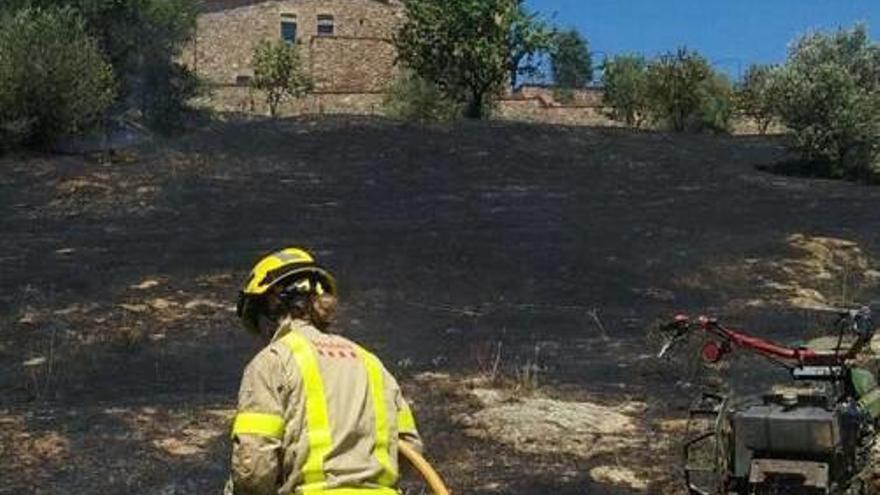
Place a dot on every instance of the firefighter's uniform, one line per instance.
(318, 414)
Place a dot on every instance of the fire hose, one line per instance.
(424, 468)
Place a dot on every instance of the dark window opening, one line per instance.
(288, 28)
(325, 25)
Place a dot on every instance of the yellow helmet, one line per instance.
(291, 268)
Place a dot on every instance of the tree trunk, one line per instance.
(272, 100)
(678, 121)
(514, 70)
(475, 106)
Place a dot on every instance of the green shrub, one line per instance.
(564, 95)
(716, 105)
(625, 80)
(160, 30)
(755, 96)
(412, 98)
(828, 93)
(279, 73)
(141, 39)
(684, 93)
(468, 48)
(53, 78)
(167, 89)
(570, 60)
(675, 82)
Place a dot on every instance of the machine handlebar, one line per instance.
(856, 321)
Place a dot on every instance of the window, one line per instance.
(325, 25)
(288, 28)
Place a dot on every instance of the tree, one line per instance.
(158, 84)
(828, 93)
(625, 80)
(465, 47)
(570, 60)
(716, 104)
(279, 73)
(755, 97)
(675, 87)
(529, 37)
(141, 39)
(53, 78)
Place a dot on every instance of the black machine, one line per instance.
(814, 441)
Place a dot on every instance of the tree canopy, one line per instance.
(570, 60)
(469, 48)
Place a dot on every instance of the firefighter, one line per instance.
(317, 413)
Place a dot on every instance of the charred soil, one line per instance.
(534, 258)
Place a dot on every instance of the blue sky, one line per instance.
(731, 33)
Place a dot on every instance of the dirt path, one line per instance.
(560, 246)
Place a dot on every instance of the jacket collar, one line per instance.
(302, 327)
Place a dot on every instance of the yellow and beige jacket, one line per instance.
(317, 414)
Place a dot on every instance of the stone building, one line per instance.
(345, 46)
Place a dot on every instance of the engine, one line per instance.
(820, 442)
(794, 441)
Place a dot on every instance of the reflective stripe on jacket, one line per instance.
(318, 414)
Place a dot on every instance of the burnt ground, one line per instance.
(120, 354)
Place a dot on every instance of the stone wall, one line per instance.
(351, 65)
(536, 110)
(539, 104)
(241, 99)
(583, 97)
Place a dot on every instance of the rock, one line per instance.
(146, 284)
(37, 361)
(537, 425)
(146, 190)
(176, 447)
(430, 376)
(29, 318)
(618, 476)
(134, 308)
(205, 303)
(676, 426)
(160, 303)
(75, 308)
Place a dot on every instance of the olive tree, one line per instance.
(142, 40)
(625, 79)
(53, 78)
(529, 37)
(279, 73)
(570, 60)
(414, 99)
(755, 96)
(674, 84)
(828, 94)
(717, 105)
(468, 48)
